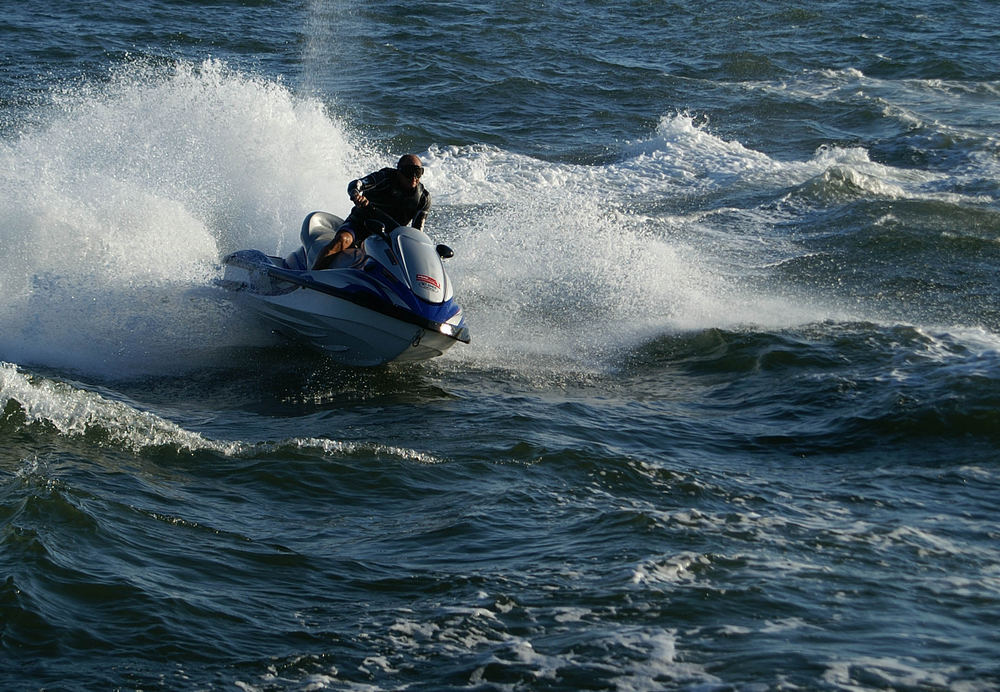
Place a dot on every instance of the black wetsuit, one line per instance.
(407, 207)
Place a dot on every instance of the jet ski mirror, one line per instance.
(445, 252)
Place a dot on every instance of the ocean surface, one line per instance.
(729, 420)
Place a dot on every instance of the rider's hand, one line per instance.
(342, 241)
(360, 200)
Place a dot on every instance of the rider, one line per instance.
(395, 192)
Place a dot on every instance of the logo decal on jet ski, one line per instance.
(429, 280)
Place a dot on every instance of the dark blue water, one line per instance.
(730, 418)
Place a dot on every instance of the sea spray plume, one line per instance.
(237, 150)
(593, 260)
(128, 192)
(547, 254)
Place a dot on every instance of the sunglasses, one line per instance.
(411, 171)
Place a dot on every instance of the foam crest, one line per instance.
(74, 412)
(678, 569)
(685, 156)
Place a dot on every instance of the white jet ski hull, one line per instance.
(389, 301)
(353, 334)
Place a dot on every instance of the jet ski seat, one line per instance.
(318, 231)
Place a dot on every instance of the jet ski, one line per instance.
(389, 300)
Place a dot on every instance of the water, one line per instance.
(729, 419)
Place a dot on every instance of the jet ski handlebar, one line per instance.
(384, 223)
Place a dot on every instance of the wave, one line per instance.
(33, 402)
(698, 162)
(833, 386)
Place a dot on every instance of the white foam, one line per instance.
(655, 662)
(866, 673)
(675, 569)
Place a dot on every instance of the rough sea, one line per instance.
(729, 420)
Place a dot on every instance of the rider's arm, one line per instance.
(421, 215)
(358, 188)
